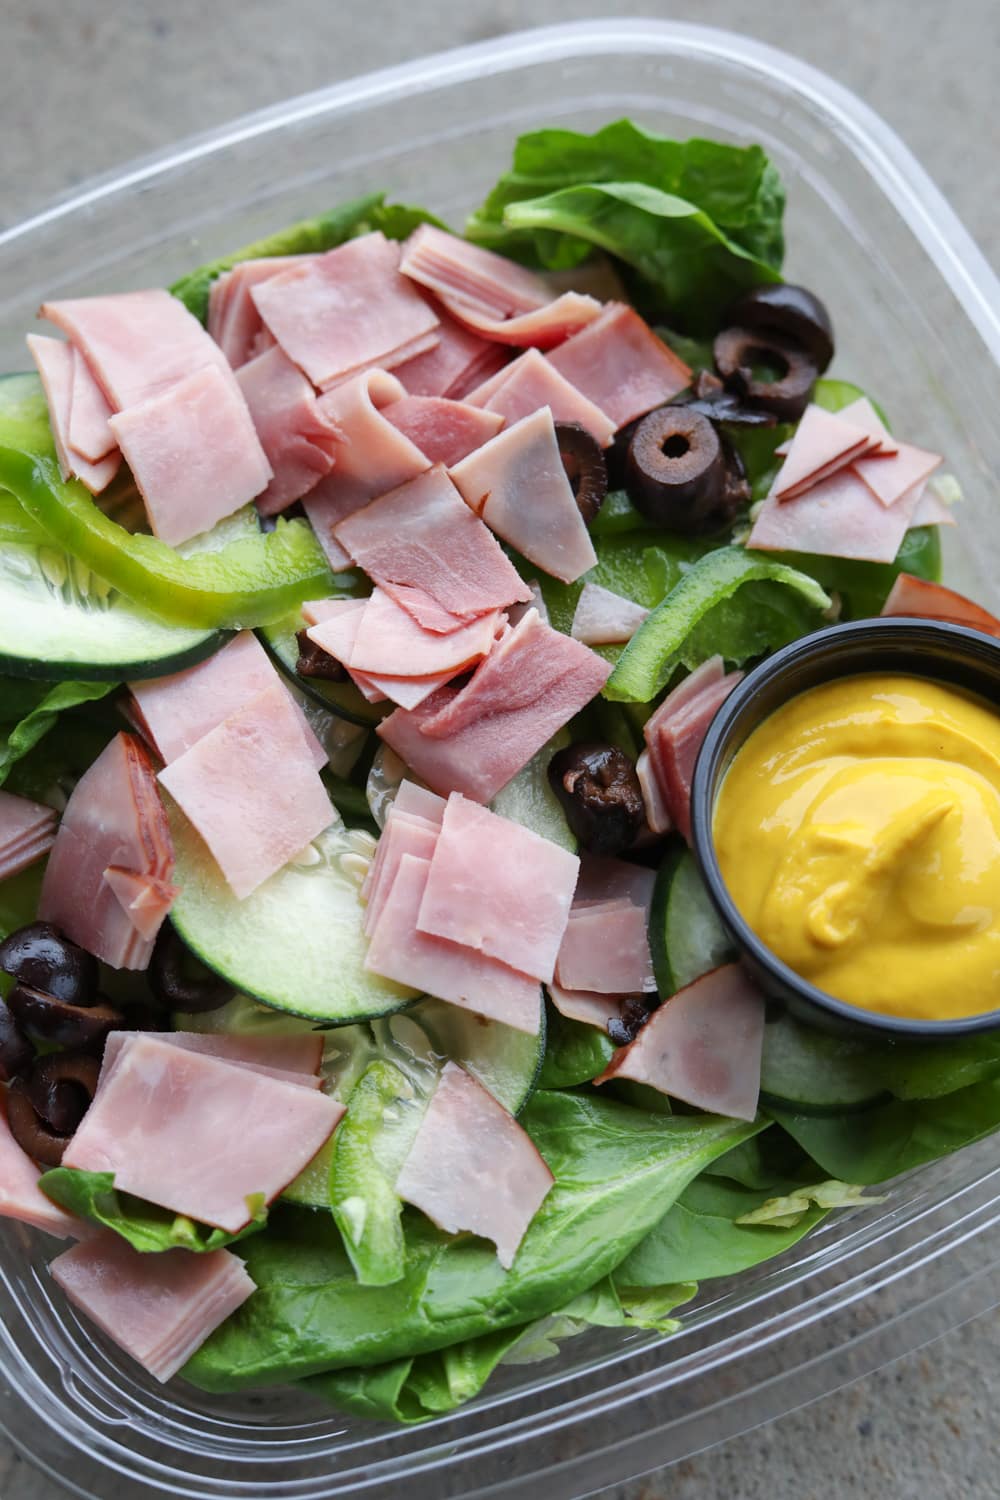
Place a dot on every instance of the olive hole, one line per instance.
(675, 446)
(767, 366)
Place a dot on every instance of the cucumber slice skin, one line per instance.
(686, 938)
(340, 698)
(817, 1072)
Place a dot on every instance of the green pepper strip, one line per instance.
(251, 582)
(647, 661)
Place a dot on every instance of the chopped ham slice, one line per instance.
(678, 741)
(706, 675)
(462, 273)
(823, 444)
(499, 889)
(338, 622)
(932, 601)
(346, 311)
(176, 712)
(159, 1308)
(702, 1046)
(585, 1006)
(517, 483)
(251, 790)
(602, 880)
(657, 816)
(20, 1196)
(932, 511)
(603, 618)
(839, 517)
(384, 636)
(472, 1166)
(89, 434)
(475, 739)
(294, 1059)
(197, 1134)
(415, 799)
(298, 439)
(891, 480)
(233, 319)
(444, 431)
(114, 819)
(533, 381)
(422, 543)
(194, 453)
(27, 831)
(456, 365)
(605, 949)
(371, 457)
(403, 834)
(144, 899)
(54, 362)
(621, 365)
(541, 329)
(863, 414)
(442, 968)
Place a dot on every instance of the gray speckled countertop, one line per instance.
(89, 83)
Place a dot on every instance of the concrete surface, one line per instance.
(88, 85)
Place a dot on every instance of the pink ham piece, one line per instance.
(54, 362)
(114, 819)
(403, 834)
(386, 636)
(251, 789)
(517, 483)
(346, 311)
(932, 511)
(602, 879)
(464, 274)
(475, 739)
(932, 601)
(89, 433)
(27, 832)
(605, 949)
(294, 1059)
(233, 320)
(144, 899)
(459, 362)
(175, 712)
(620, 364)
(415, 799)
(371, 457)
(193, 452)
(863, 414)
(530, 383)
(839, 517)
(20, 1196)
(422, 544)
(702, 1046)
(706, 675)
(337, 623)
(678, 741)
(499, 889)
(603, 618)
(541, 329)
(657, 815)
(197, 1134)
(444, 431)
(891, 480)
(448, 970)
(823, 444)
(472, 1167)
(585, 1006)
(159, 1308)
(298, 440)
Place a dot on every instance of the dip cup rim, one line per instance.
(935, 650)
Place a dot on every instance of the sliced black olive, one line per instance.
(792, 311)
(676, 469)
(315, 662)
(585, 467)
(43, 1144)
(625, 1028)
(16, 1052)
(709, 396)
(615, 457)
(47, 1020)
(787, 393)
(39, 955)
(61, 1089)
(600, 794)
(174, 982)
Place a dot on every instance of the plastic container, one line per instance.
(918, 316)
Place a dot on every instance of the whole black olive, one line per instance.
(174, 985)
(786, 394)
(61, 1089)
(792, 311)
(39, 955)
(585, 467)
(600, 794)
(16, 1052)
(624, 1028)
(676, 469)
(315, 662)
(47, 1020)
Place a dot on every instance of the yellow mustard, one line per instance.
(858, 831)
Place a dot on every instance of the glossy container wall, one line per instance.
(918, 319)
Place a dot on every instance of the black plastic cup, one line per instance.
(928, 649)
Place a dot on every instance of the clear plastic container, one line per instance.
(918, 318)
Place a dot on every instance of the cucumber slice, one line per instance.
(341, 698)
(817, 1072)
(530, 800)
(296, 943)
(685, 935)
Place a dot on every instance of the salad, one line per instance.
(365, 599)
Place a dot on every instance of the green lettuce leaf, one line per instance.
(365, 1205)
(574, 1052)
(37, 706)
(151, 1230)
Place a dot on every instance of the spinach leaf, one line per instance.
(574, 1052)
(38, 706)
(617, 1170)
(346, 221)
(93, 1196)
(699, 220)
